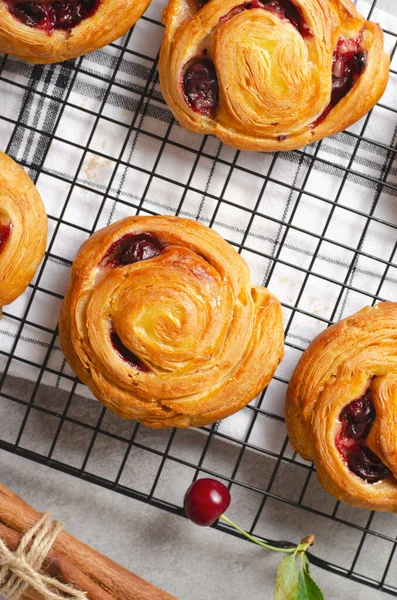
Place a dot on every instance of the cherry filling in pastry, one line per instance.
(126, 354)
(200, 86)
(62, 14)
(287, 11)
(199, 80)
(349, 61)
(132, 248)
(284, 9)
(357, 418)
(5, 232)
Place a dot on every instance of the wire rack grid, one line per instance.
(317, 226)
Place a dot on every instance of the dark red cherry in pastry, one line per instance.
(132, 248)
(205, 501)
(349, 61)
(364, 463)
(357, 418)
(321, 117)
(60, 14)
(5, 232)
(32, 14)
(348, 46)
(200, 86)
(125, 353)
(359, 62)
(286, 10)
(340, 87)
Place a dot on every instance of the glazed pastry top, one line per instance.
(162, 322)
(49, 31)
(270, 75)
(23, 230)
(341, 407)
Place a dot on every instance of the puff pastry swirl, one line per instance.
(23, 230)
(270, 75)
(50, 31)
(341, 408)
(162, 323)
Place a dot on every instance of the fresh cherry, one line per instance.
(205, 501)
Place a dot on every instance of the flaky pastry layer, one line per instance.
(275, 82)
(206, 341)
(111, 20)
(22, 209)
(345, 360)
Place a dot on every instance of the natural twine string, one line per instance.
(20, 570)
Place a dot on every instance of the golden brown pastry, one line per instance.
(341, 408)
(23, 230)
(50, 31)
(162, 323)
(270, 75)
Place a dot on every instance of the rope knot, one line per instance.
(15, 563)
(20, 570)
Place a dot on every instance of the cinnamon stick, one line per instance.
(71, 561)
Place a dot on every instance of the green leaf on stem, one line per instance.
(287, 580)
(291, 584)
(307, 588)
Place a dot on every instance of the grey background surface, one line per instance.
(190, 562)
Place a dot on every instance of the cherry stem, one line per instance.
(302, 547)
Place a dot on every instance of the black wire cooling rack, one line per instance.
(318, 226)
